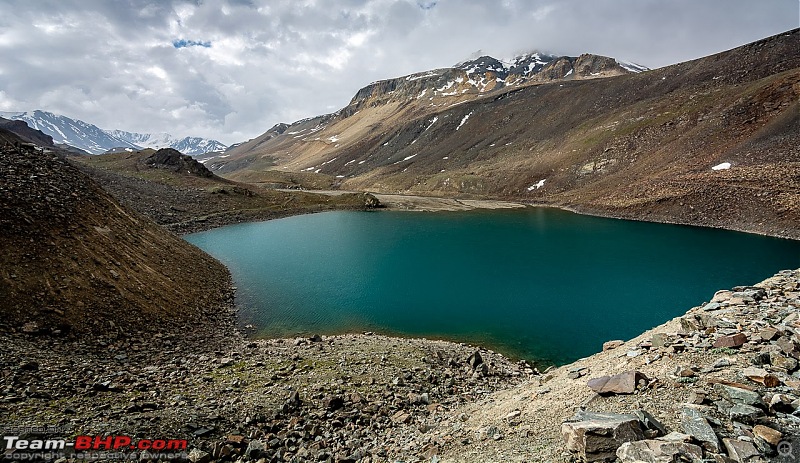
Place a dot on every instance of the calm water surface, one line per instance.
(540, 284)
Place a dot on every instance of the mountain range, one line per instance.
(678, 144)
(393, 102)
(94, 140)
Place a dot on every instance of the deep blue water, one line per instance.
(540, 284)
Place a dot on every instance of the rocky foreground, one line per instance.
(720, 383)
(348, 398)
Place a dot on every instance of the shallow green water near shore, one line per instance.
(540, 284)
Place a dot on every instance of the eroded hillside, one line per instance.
(74, 260)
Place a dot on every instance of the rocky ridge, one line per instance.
(483, 75)
(387, 102)
(75, 134)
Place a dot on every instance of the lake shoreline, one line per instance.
(374, 398)
(419, 203)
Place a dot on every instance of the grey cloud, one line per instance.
(115, 63)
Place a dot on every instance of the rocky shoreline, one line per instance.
(724, 377)
(371, 398)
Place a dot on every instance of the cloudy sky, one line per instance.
(230, 69)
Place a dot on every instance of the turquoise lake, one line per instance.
(541, 284)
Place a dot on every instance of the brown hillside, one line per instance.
(186, 200)
(73, 260)
(638, 145)
(27, 134)
(383, 105)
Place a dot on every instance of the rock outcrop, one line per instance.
(168, 158)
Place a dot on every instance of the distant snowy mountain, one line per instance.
(95, 140)
(186, 145)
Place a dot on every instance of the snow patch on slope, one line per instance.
(464, 120)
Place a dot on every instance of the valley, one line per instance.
(113, 324)
(636, 146)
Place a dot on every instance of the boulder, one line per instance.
(769, 333)
(254, 449)
(623, 383)
(333, 403)
(597, 436)
(199, 456)
(608, 345)
(772, 436)
(788, 346)
(668, 449)
(660, 340)
(761, 376)
(739, 395)
(695, 424)
(652, 426)
(734, 340)
(741, 451)
(474, 360)
(777, 360)
(745, 413)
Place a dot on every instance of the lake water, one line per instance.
(540, 284)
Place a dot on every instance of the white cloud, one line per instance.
(246, 65)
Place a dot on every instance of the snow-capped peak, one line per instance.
(95, 140)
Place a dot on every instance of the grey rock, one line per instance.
(788, 346)
(199, 456)
(777, 360)
(761, 359)
(745, 413)
(697, 397)
(695, 424)
(608, 345)
(254, 449)
(650, 423)
(739, 395)
(711, 306)
(721, 363)
(660, 340)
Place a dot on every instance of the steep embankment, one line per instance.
(74, 260)
(639, 145)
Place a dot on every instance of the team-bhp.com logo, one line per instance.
(93, 448)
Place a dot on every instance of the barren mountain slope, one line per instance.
(184, 196)
(639, 145)
(74, 260)
(383, 105)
